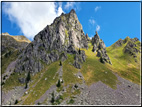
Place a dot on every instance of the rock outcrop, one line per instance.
(100, 48)
(79, 58)
(63, 36)
(119, 43)
(132, 47)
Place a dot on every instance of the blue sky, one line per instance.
(112, 20)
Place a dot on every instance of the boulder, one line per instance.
(79, 58)
(22, 80)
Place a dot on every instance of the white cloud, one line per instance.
(98, 28)
(72, 5)
(92, 21)
(32, 17)
(97, 8)
(69, 5)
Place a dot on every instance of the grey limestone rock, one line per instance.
(100, 48)
(79, 59)
(22, 80)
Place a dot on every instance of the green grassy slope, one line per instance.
(42, 85)
(123, 63)
(93, 70)
(69, 70)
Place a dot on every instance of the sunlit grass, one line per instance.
(43, 85)
(93, 70)
(124, 64)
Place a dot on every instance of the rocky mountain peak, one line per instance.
(73, 14)
(64, 35)
(100, 48)
(73, 11)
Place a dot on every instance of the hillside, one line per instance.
(125, 57)
(10, 49)
(62, 66)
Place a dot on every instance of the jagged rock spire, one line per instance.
(100, 48)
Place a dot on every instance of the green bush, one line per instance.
(26, 85)
(79, 51)
(16, 101)
(101, 60)
(2, 83)
(71, 101)
(52, 99)
(58, 84)
(60, 63)
(38, 103)
(8, 54)
(28, 77)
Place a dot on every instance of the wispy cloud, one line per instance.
(98, 28)
(69, 5)
(32, 17)
(72, 5)
(97, 8)
(92, 21)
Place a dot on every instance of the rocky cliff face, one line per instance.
(100, 48)
(63, 36)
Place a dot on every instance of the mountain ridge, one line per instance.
(63, 66)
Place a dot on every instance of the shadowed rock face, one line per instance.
(100, 48)
(64, 35)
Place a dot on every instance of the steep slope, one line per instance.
(11, 48)
(125, 57)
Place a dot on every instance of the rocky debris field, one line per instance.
(9, 97)
(127, 93)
